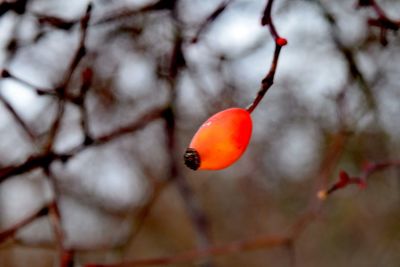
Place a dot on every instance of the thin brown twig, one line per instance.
(210, 19)
(57, 22)
(141, 122)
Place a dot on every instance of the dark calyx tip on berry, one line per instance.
(192, 158)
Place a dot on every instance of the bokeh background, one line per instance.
(334, 105)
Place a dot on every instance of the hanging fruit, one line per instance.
(220, 141)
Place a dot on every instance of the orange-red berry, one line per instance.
(220, 141)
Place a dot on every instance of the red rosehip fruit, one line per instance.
(220, 141)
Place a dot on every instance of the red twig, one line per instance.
(266, 20)
(361, 180)
(279, 43)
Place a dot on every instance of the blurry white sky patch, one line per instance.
(33, 64)
(70, 133)
(39, 231)
(297, 150)
(70, 9)
(25, 100)
(196, 11)
(88, 227)
(6, 26)
(136, 76)
(309, 52)
(21, 197)
(234, 31)
(106, 176)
